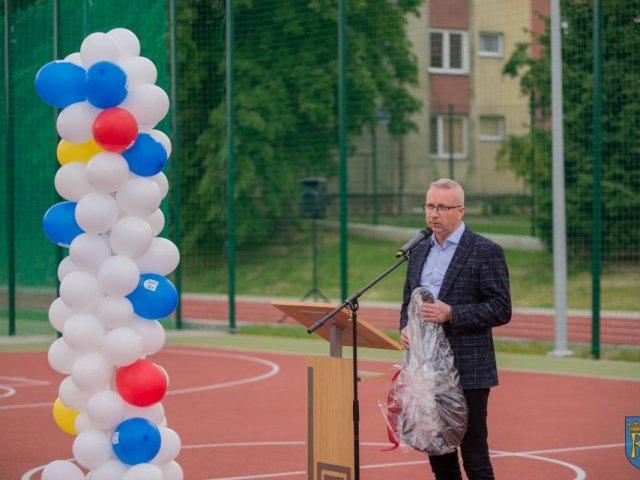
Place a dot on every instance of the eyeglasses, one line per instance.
(428, 207)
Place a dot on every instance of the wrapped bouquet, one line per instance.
(426, 407)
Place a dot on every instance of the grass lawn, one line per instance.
(286, 271)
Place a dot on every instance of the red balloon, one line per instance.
(142, 383)
(115, 129)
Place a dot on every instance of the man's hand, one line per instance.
(436, 312)
(404, 338)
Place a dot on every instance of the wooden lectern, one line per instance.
(330, 388)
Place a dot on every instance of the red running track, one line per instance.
(240, 415)
(623, 329)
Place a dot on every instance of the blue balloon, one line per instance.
(154, 298)
(106, 85)
(146, 157)
(61, 83)
(136, 440)
(60, 225)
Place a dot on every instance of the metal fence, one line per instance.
(379, 98)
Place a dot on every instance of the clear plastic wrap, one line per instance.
(426, 408)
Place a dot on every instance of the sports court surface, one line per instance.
(238, 406)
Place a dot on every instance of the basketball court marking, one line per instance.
(532, 455)
(580, 474)
(273, 370)
(7, 384)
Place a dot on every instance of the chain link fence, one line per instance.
(431, 89)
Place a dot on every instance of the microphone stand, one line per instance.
(352, 303)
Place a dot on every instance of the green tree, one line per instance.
(620, 144)
(286, 73)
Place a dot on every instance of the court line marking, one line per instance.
(23, 381)
(274, 369)
(532, 455)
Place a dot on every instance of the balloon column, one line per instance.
(113, 289)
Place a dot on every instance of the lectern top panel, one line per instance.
(309, 313)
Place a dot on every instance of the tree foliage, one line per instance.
(285, 94)
(620, 113)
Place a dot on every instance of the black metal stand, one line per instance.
(352, 303)
(315, 291)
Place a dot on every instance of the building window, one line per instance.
(448, 51)
(490, 45)
(491, 128)
(448, 134)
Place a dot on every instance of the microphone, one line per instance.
(420, 236)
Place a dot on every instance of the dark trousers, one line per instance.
(474, 447)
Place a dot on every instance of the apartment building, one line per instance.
(469, 106)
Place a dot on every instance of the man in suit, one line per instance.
(467, 275)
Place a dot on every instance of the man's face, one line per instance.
(444, 221)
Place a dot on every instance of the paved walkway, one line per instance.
(526, 324)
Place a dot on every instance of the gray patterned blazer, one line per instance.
(476, 286)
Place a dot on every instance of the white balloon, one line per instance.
(126, 41)
(151, 332)
(139, 70)
(143, 471)
(71, 181)
(62, 470)
(75, 122)
(72, 396)
(61, 357)
(114, 312)
(148, 103)
(83, 332)
(96, 212)
(91, 372)
(74, 58)
(156, 221)
(139, 197)
(130, 236)
(162, 137)
(162, 182)
(118, 276)
(88, 251)
(162, 257)
(105, 409)
(82, 422)
(154, 413)
(172, 471)
(98, 47)
(65, 267)
(80, 291)
(110, 470)
(59, 313)
(122, 346)
(170, 445)
(107, 171)
(92, 448)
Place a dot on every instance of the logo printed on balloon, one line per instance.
(150, 284)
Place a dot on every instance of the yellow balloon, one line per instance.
(65, 417)
(76, 152)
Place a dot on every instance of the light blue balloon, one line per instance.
(146, 157)
(136, 440)
(154, 298)
(106, 85)
(61, 83)
(60, 225)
